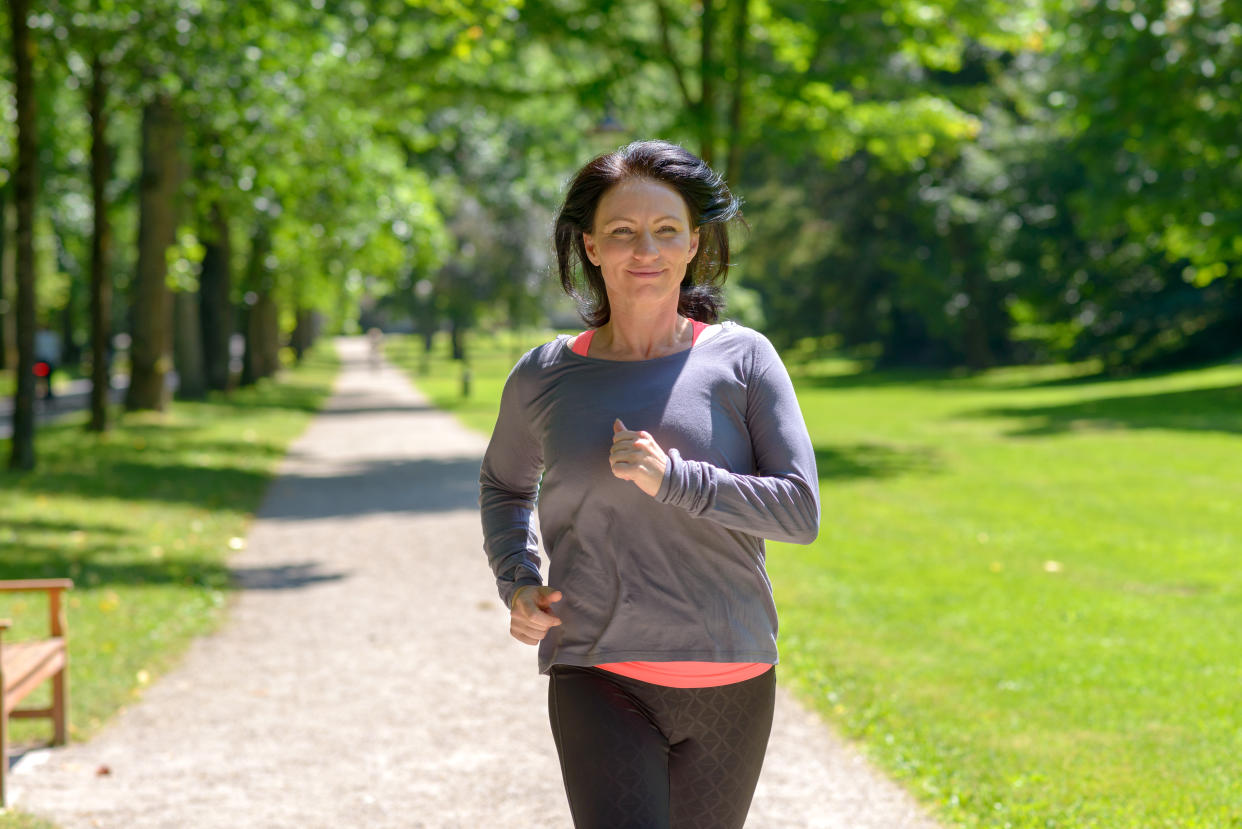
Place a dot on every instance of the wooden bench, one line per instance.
(24, 665)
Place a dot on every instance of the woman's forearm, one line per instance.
(779, 507)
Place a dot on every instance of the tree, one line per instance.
(26, 182)
(215, 307)
(150, 355)
(101, 246)
(1153, 89)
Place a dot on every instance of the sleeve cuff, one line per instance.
(665, 493)
(687, 484)
(509, 588)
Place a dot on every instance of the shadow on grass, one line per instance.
(39, 525)
(869, 460)
(1091, 375)
(885, 378)
(272, 396)
(100, 566)
(103, 566)
(1198, 410)
(147, 462)
(235, 489)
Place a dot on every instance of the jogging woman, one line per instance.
(662, 447)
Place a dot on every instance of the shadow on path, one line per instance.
(412, 408)
(282, 577)
(379, 486)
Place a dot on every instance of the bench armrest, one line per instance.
(53, 587)
(17, 585)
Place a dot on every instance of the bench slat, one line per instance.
(26, 664)
(32, 713)
(18, 585)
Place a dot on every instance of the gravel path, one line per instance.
(365, 676)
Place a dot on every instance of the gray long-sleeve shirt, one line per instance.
(677, 577)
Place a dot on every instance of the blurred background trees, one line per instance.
(965, 183)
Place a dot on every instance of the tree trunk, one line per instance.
(101, 250)
(975, 333)
(188, 347)
(260, 361)
(303, 336)
(707, 86)
(248, 373)
(741, 24)
(151, 310)
(70, 351)
(26, 181)
(268, 314)
(215, 311)
(296, 337)
(252, 359)
(4, 273)
(457, 339)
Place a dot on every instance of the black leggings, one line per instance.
(645, 756)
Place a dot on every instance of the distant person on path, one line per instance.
(47, 358)
(662, 447)
(375, 339)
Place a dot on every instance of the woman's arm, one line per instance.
(508, 488)
(781, 501)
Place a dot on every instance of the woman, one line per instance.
(662, 448)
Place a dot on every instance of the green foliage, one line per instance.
(951, 183)
(1155, 92)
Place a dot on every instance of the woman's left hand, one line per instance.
(635, 456)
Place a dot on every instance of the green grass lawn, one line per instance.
(1025, 599)
(143, 520)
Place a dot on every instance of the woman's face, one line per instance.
(642, 242)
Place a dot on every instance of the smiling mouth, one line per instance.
(647, 273)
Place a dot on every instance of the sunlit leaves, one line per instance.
(1157, 89)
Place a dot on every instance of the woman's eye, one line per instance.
(668, 227)
(621, 230)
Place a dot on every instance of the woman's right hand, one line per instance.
(530, 617)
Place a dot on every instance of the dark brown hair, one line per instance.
(708, 201)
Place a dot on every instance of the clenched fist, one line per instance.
(530, 616)
(635, 456)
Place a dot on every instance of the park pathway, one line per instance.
(365, 676)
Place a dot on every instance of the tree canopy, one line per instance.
(970, 182)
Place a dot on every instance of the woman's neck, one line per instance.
(642, 336)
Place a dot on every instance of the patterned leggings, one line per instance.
(645, 756)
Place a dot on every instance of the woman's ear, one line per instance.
(591, 252)
(694, 245)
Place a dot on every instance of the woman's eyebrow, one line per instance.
(635, 221)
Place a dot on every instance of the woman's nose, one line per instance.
(645, 245)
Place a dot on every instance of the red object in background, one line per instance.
(42, 369)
